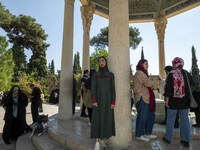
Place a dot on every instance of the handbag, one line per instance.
(193, 103)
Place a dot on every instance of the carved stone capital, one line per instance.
(87, 16)
(160, 26)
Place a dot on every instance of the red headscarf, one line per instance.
(152, 103)
(178, 81)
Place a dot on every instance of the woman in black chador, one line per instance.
(15, 115)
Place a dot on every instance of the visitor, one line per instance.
(103, 101)
(177, 99)
(15, 115)
(35, 101)
(196, 94)
(41, 102)
(83, 80)
(176, 125)
(144, 102)
(74, 95)
(88, 97)
(132, 97)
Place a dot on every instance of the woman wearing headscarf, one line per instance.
(196, 94)
(145, 102)
(88, 96)
(177, 100)
(103, 101)
(15, 115)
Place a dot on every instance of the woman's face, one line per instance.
(102, 62)
(15, 92)
(146, 65)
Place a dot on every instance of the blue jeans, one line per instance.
(145, 118)
(184, 124)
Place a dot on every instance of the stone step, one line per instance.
(45, 142)
(24, 142)
(70, 134)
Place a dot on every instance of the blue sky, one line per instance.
(181, 33)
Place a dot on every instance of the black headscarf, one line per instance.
(88, 82)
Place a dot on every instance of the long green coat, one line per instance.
(103, 93)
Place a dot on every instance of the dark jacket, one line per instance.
(174, 102)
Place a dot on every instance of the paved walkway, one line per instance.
(80, 127)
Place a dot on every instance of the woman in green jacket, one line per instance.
(103, 101)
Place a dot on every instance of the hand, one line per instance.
(95, 104)
(166, 102)
(112, 106)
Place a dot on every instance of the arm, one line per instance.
(168, 89)
(143, 79)
(93, 90)
(113, 94)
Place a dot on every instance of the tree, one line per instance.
(142, 53)
(194, 60)
(7, 65)
(76, 66)
(19, 58)
(52, 67)
(101, 40)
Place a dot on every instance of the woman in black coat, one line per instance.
(15, 115)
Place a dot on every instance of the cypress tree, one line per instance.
(142, 53)
(194, 59)
(52, 67)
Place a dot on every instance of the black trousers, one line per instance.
(197, 110)
(90, 113)
(34, 112)
(73, 104)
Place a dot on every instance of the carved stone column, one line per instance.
(66, 79)
(160, 26)
(119, 64)
(87, 16)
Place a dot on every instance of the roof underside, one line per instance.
(145, 10)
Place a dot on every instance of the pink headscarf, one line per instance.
(178, 81)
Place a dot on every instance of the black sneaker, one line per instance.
(162, 123)
(184, 143)
(176, 126)
(196, 125)
(165, 140)
(84, 115)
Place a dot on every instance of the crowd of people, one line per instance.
(99, 99)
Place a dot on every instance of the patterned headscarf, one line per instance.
(178, 81)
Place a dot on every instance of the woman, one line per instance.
(103, 101)
(15, 115)
(196, 94)
(177, 100)
(88, 97)
(145, 102)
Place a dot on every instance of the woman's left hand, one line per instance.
(112, 106)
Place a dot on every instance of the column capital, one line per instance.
(160, 26)
(70, 2)
(87, 16)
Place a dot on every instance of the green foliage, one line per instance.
(101, 40)
(19, 58)
(6, 65)
(94, 58)
(78, 80)
(76, 66)
(5, 16)
(194, 60)
(142, 53)
(52, 68)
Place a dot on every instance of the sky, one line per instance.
(181, 33)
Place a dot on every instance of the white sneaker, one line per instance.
(142, 138)
(89, 124)
(151, 137)
(39, 134)
(102, 143)
(97, 146)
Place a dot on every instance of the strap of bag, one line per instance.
(188, 83)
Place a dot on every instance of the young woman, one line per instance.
(15, 115)
(103, 101)
(145, 102)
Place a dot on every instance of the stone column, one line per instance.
(160, 26)
(66, 79)
(87, 16)
(119, 64)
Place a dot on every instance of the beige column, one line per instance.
(87, 16)
(160, 26)
(119, 64)
(66, 79)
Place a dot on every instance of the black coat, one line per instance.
(14, 127)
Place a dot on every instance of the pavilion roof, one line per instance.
(146, 10)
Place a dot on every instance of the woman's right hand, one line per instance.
(95, 104)
(166, 102)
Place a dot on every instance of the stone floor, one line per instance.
(80, 127)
